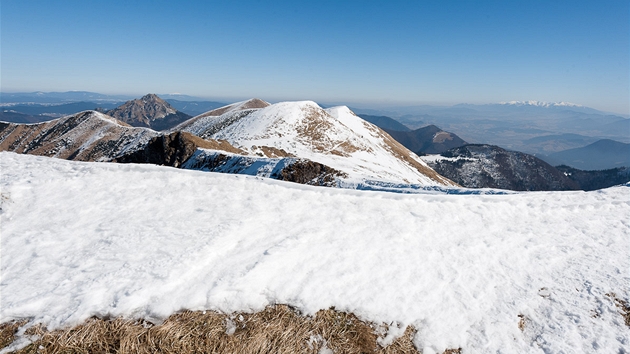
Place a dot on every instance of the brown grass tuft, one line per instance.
(276, 329)
(8, 331)
(623, 307)
(453, 351)
(522, 322)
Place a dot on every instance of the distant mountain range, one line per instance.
(600, 155)
(515, 126)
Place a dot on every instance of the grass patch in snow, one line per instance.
(623, 307)
(276, 329)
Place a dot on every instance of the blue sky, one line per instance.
(370, 52)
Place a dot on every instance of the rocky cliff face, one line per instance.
(489, 166)
(150, 111)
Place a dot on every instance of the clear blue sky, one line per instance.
(405, 52)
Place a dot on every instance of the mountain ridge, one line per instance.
(490, 166)
(335, 137)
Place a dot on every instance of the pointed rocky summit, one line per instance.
(150, 111)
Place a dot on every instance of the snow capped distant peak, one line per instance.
(541, 104)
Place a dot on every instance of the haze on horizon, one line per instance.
(355, 52)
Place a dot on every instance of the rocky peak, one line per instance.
(150, 111)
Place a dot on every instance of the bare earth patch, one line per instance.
(276, 329)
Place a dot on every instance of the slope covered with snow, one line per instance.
(335, 137)
(514, 273)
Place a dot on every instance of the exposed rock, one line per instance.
(173, 149)
(150, 111)
(289, 169)
(309, 172)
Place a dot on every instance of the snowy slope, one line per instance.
(85, 136)
(335, 137)
(83, 239)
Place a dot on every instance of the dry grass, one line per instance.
(276, 329)
(522, 322)
(8, 331)
(623, 307)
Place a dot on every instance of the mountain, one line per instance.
(294, 141)
(85, 136)
(385, 122)
(427, 140)
(600, 155)
(557, 142)
(94, 136)
(335, 137)
(593, 180)
(488, 166)
(150, 111)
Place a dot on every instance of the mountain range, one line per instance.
(600, 155)
(296, 141)
(331, 146)
(514, 125)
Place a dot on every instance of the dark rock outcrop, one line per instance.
(309, 172)
(173, 149)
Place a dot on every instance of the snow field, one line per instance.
(84, 239)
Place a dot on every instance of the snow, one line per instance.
(541, 104)
(84, 239)
(335, 137)
(433, 158)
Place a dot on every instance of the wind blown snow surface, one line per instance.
(84, 239)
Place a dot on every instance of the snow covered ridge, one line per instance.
(541, 104)
(335, 137)
(516, 273)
